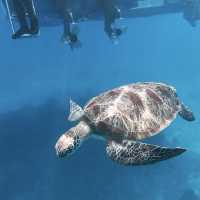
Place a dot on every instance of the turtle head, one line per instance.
(71, 140)
(67, 144)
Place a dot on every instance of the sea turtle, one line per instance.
(124, 116)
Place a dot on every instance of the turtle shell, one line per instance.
(134, 111)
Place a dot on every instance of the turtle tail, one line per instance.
(186, 113)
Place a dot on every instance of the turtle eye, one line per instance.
(70, 149)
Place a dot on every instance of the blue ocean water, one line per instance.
(38, 77)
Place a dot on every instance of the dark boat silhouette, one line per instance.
(87, 10)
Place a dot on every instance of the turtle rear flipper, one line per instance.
(186, 113)
(137, 153)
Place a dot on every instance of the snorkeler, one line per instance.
(111, 13)
(21, 7)
(191, 11)
(69, 35)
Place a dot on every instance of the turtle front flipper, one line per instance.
(137, 153)
(186, 113)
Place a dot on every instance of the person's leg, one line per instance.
(64, 9)
(21, 15)
(28, 4)
(111, 13)
(116, 12)
(108, 25)
(68, 19)
(20, 12)
(108, 19)
(71, 37)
